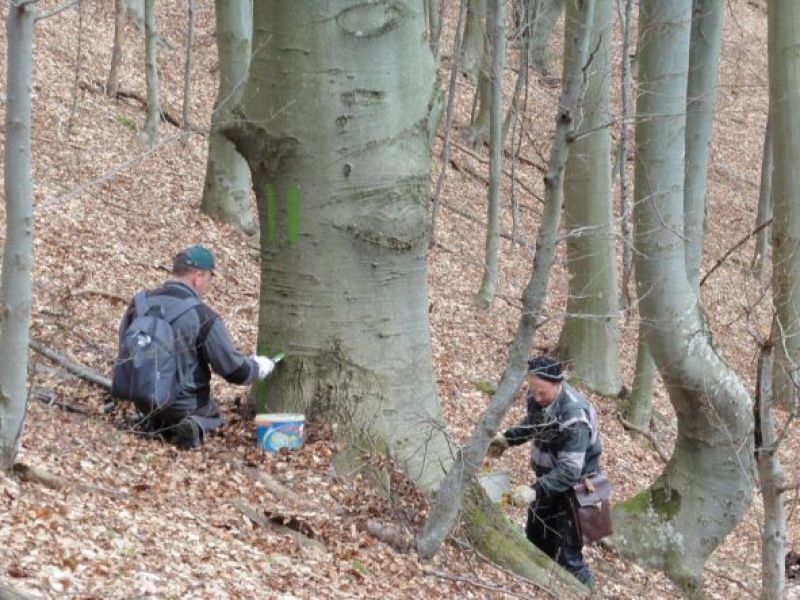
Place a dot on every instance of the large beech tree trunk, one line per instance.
(226, 193)
(340, 156)
(784, 107)
(16, 297)
(707, 485)
(590, 336)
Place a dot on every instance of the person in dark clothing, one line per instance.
(566, 448)
(203, 344)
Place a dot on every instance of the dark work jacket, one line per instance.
(566, 442)
(203, 344)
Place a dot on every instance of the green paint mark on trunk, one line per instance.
(292, 213)
(272, 213)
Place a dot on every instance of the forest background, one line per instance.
(129, 517)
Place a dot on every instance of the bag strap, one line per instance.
(140, 303)
(179, 308)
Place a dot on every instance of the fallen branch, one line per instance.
(71, 365)
(98, 88)
(389, 534)
(257, 517)
(647, 434)
(104, 293)
(471, 581)
(54, 482)
(9, 593)
(48, 397)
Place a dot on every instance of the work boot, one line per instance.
(188, 434)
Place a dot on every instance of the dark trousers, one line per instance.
(551, 528)
(206, 416)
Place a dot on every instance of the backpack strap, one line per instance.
(140, 303)
(179, 308)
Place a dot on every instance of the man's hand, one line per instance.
(265, 365)
(497, 446)
(522, 495)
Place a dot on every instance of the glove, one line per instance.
(265, 365)
(497, 446)
(522, 495)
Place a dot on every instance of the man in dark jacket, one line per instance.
(566, 448)
(203, 344)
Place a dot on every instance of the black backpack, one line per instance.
(146, 370)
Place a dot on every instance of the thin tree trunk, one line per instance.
(226, 193)
(676, 523)
(434, 10)
(343, 269)
(589, 340)
(112, 84)
(624, 195)
(445, 510)
(474, 43)
(448, 122)
(764, 212)
(545, 17)
(639, 407)
(187, 69)
(73, 111)
(708, 17)
(151, 73)
(784, 107)
(480, 124)
(16, 296)
(770, 476)
(491, 269)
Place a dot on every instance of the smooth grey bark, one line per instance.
(151, 73)
(473, 46)
(434, 10)
(638, 407)
(764, 212)
(449, 497)
(448, 123)
(340, 155)
(589, 339)
(187, 65)
(226, 192)
(73, 111)
(708, 18)
(784, 108)
(112, 83)
(545, 15)
(491, 267)
(707, 484)
(135, 10)
(626, 18)
(479, 126)
(16, 296)
(770, 476)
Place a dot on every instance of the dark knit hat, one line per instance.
(547, 368)
(196, 257)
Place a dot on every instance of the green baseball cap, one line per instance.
(196, 257)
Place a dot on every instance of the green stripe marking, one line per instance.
(292, 213)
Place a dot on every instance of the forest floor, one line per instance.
(131, 517)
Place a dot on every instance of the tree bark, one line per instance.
(112, 84)
(343, 270)
(764, 212)
(449, 497)
(708, 17)
(16, 296)
(474, 45)
(589, 340)
(622, 158)
(784, 109)
(639, 407)
(677, 522)
(491, 269)
(544, 18)
(187, 69)
(226, 193)
(770, 476)
(151, 73)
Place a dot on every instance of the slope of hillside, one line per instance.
(132, 517)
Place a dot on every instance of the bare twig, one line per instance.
(733, 249)
(104, 293)
(73, 112)
(471, 581)
(646, 434)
